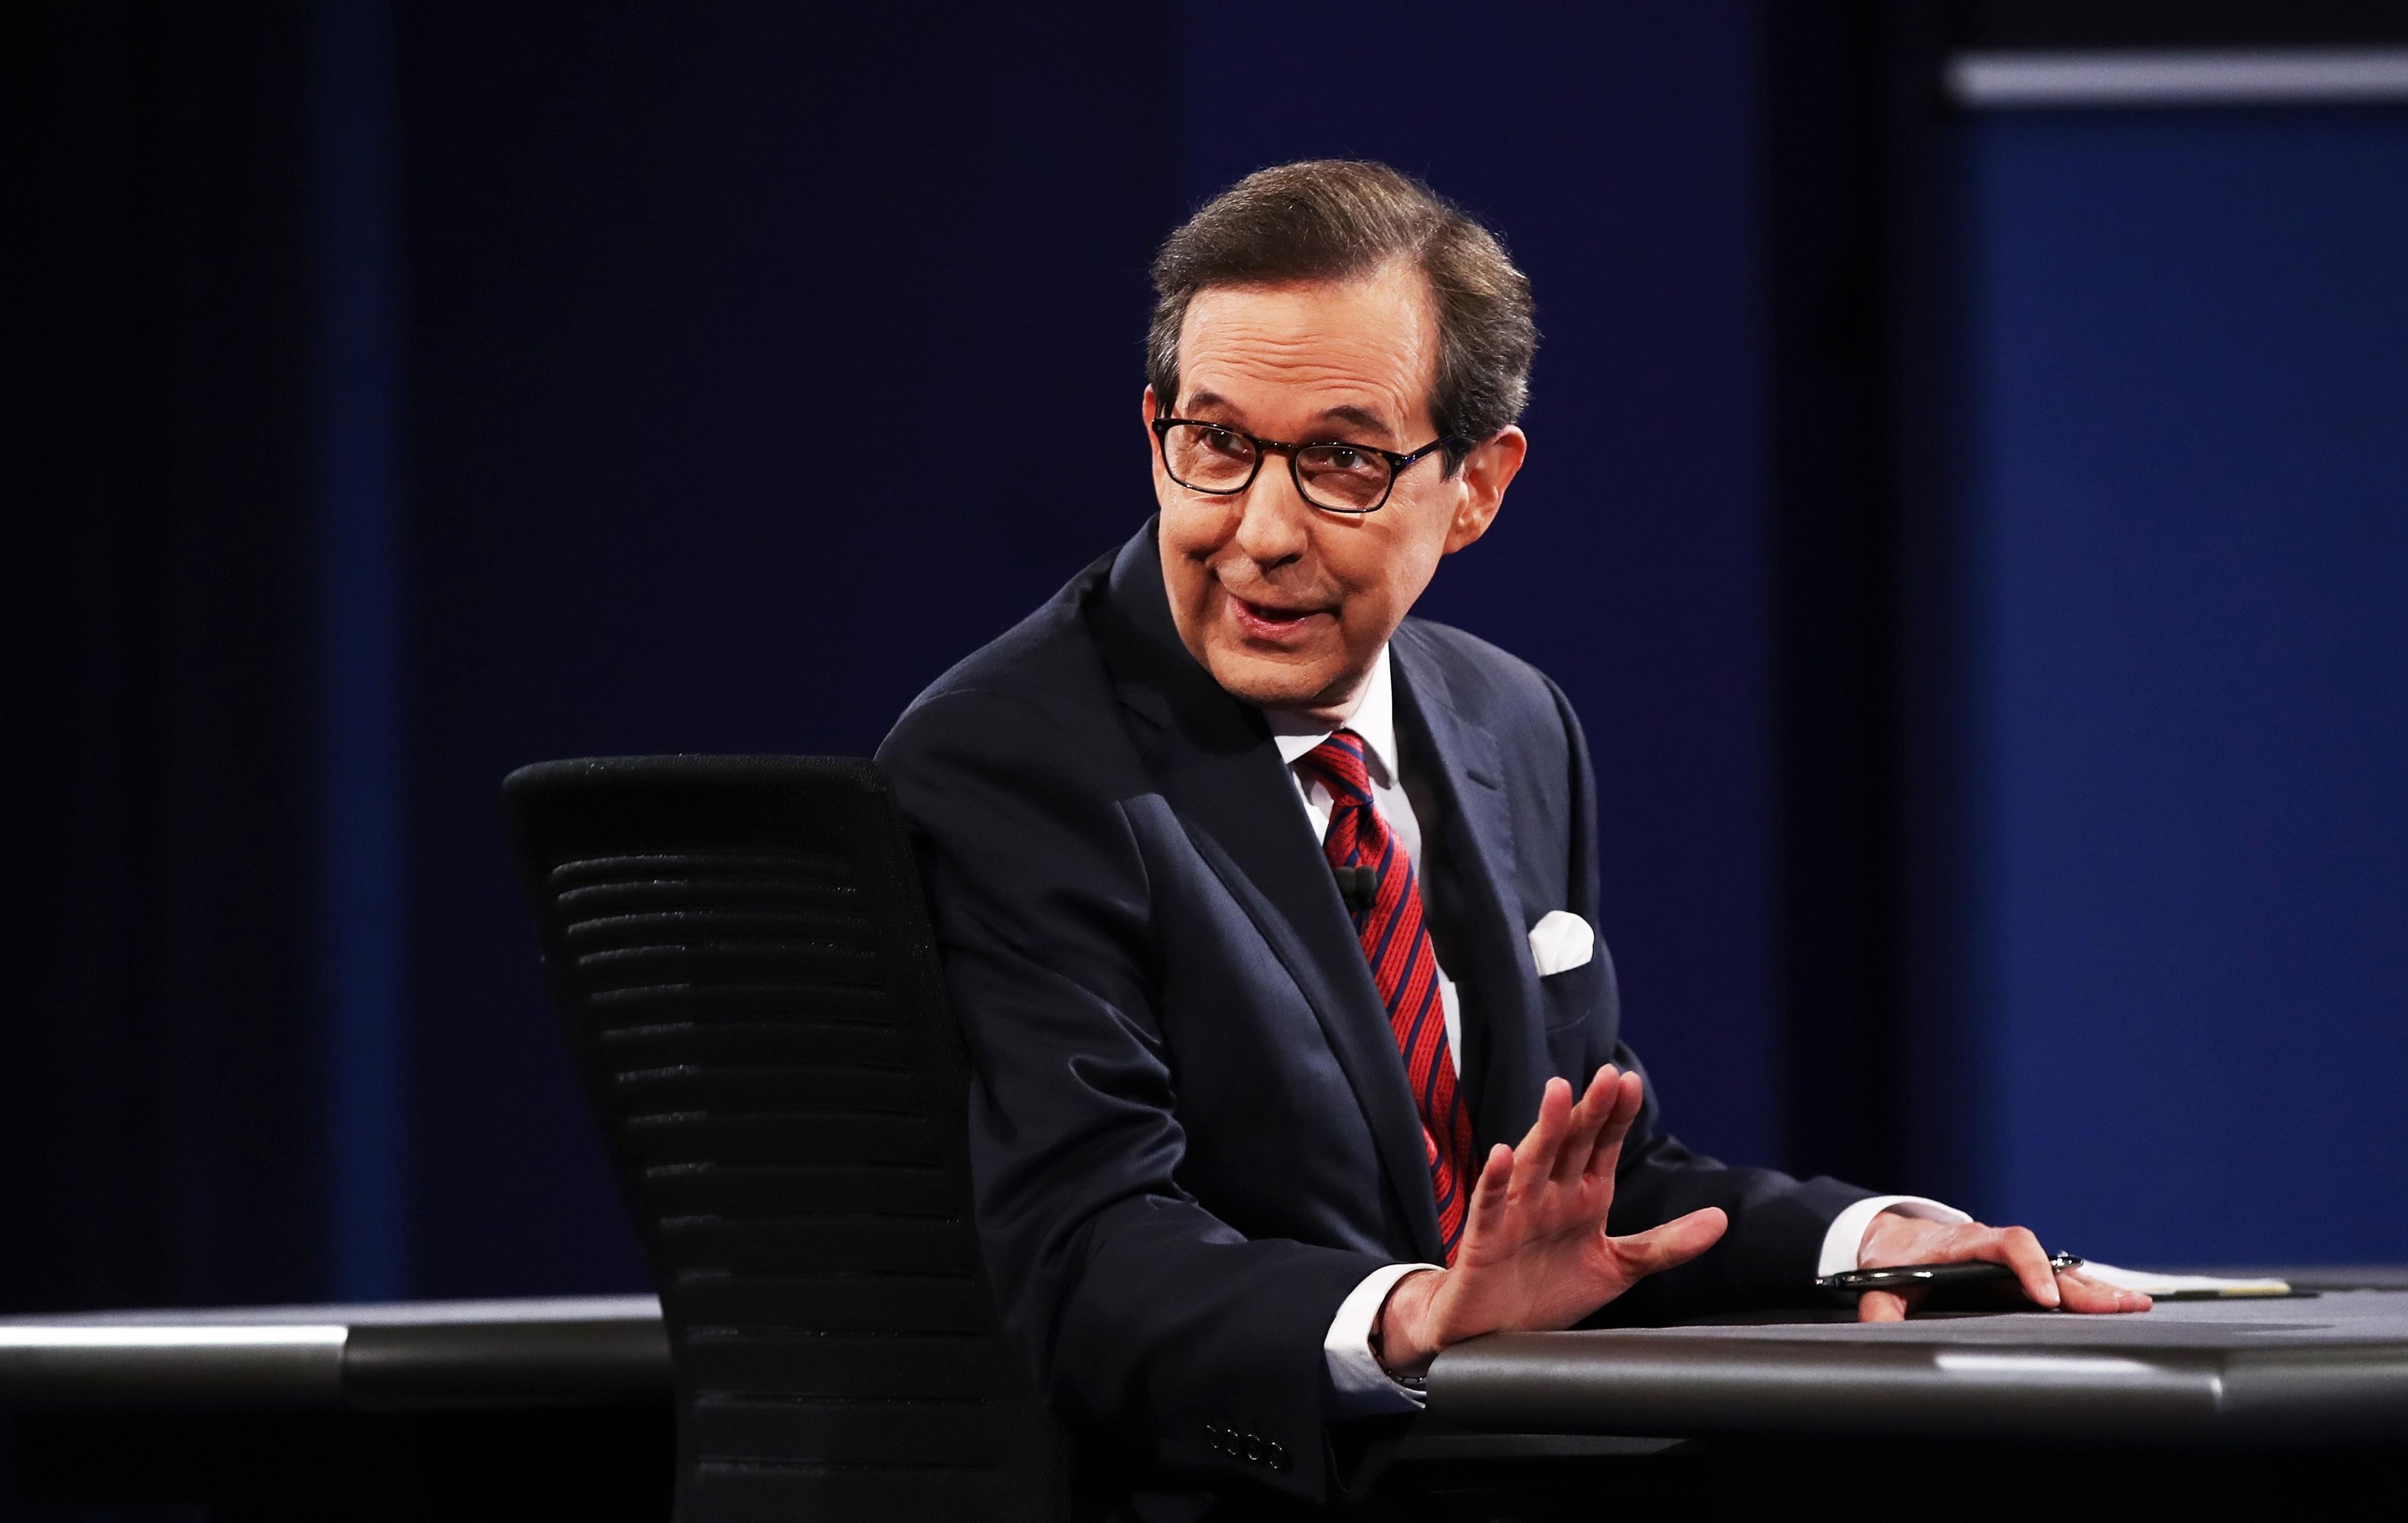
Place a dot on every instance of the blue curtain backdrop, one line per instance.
(2185, 599)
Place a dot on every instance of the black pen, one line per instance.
(1920, 1276)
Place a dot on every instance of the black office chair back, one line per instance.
(741, 954)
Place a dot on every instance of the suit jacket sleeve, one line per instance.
(1141, 1311)
(1768, 1256)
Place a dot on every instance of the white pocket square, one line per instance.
(1561, 941)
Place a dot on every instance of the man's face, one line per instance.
(1286, 604)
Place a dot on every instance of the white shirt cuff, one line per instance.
(1847, 1233)
(1364, 1389)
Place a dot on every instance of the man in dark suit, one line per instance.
(1267, 910)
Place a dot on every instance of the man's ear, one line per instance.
(1484, 475)
(1152, 408)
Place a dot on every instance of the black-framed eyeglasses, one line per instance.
(1335, 477)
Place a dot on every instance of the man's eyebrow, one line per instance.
(1345, 412)
(1361, 417)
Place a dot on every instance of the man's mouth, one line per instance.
(1271, 621)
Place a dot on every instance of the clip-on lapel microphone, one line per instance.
(1359, 887)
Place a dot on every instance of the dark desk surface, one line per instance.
(2335, 1367)
(2332, 1369)
(571, 1351)
(454, 1410)
(435, 1411)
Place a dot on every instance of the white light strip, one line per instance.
(186, 1336)
(2068, 80)
(2061, 1366)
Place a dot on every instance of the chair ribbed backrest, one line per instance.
(741, 956)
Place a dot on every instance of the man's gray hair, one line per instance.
(1337, 218)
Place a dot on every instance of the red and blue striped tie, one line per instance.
(1397, 941)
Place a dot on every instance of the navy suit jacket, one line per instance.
(1191, 1130)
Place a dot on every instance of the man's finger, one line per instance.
(1589, 1118)
(2084, 1294)
(2016, 1249)
(1536, 1158)
(1672, 1244)
(1881, 1306)
(1605, 1155)
(1484, 1226)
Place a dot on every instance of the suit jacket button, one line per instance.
(1279, 1455)
(1254, 1450)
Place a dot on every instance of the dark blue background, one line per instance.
(427, 390)
(2189, 505)
(693, 315)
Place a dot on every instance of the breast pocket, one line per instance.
(1563, 953)
(1569, 997)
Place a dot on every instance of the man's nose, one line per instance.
(1272, 518)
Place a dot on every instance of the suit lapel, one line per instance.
(1504, 1058)
(1213, 759)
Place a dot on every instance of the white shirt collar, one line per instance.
(1374, 718)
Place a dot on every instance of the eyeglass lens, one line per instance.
(1334, 475)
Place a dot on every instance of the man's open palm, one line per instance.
(1536, 1255)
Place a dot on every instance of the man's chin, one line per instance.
(1278, 685)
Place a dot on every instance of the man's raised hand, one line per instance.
(1535, 1252)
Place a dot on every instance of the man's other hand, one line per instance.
(1893, 1239)
(1535, 1253)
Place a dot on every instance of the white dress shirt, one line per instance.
(1362, 1387)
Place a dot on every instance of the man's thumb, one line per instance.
(1673, 1244)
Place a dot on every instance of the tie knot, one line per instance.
(1340, 763)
